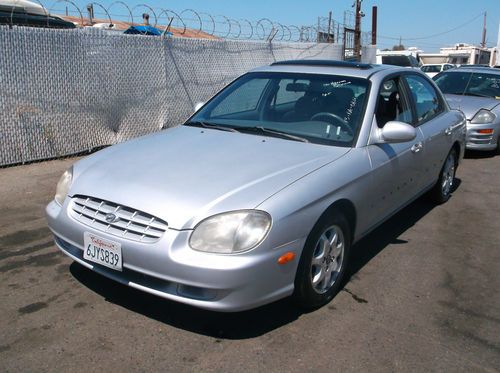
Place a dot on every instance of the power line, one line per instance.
(434, 35)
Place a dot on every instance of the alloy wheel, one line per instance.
(448, 175)
(327, 259)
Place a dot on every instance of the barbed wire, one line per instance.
(200, 24)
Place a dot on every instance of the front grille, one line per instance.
(131, 224)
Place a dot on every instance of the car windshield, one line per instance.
(323, 109)
(469, 84)
(431, 68)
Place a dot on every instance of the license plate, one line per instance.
(102, 251)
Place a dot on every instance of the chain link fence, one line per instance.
(68, 91)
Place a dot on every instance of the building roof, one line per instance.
(122, 26)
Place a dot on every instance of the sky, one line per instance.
(408, 19)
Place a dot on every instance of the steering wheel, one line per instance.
(337, 121)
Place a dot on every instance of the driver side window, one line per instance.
(393, 103)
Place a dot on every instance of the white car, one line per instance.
(433, 69)
(398, 58)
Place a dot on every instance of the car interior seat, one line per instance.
(387, 110)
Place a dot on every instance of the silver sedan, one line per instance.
(476, 92)
(261, 194)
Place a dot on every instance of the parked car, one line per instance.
(263, 191)
(29, 13)
(432, 70)
(398, 58)
(476, 92)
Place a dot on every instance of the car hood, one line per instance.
(185, 174)
(470, 105)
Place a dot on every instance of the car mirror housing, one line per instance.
(198, 106)
(395, 132)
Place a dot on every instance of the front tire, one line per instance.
(444, 186)
(323, 262)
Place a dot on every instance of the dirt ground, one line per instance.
(424, 295)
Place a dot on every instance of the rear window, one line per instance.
(397, 61)
(469, 84)
(431, 69)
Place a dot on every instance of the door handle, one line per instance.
(417, 147)
(448, 131)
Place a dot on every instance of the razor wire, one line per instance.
(192, 23)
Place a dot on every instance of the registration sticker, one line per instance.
(102, 251)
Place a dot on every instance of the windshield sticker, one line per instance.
(350, 109)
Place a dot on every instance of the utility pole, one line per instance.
(357, 30)
(317, 31)
(483, 42)
(329, 39)
(374, 25)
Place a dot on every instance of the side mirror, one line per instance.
(394, 132)
(198, 106)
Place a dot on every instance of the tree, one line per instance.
(399, 47)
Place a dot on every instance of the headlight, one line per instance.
(63, 185)
(483, 116)
(231, 232)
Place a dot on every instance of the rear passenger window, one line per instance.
(427, 103)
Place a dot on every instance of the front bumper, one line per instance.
(169, 268)
(481, 141)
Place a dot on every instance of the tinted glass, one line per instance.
(431, 69)
(392, 103)
(469, 84)
(284, 96)
(413, 61)
(324, 109)
(396, 60)
(244, 99)
(426, 99)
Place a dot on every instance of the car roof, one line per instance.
(327, 67)
(475, 69)
(395, 53)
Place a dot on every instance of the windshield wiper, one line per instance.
(210, 126)
(476, 94)
(260, 129)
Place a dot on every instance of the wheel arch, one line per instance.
(346, 207)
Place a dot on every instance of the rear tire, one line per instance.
(323, 261)
(444, 186)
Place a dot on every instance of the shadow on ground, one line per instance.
(247, 324)
(471, 154)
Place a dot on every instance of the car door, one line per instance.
(435, 123)
(397, 167)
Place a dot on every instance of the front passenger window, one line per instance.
(392, 103)
(427, 103)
